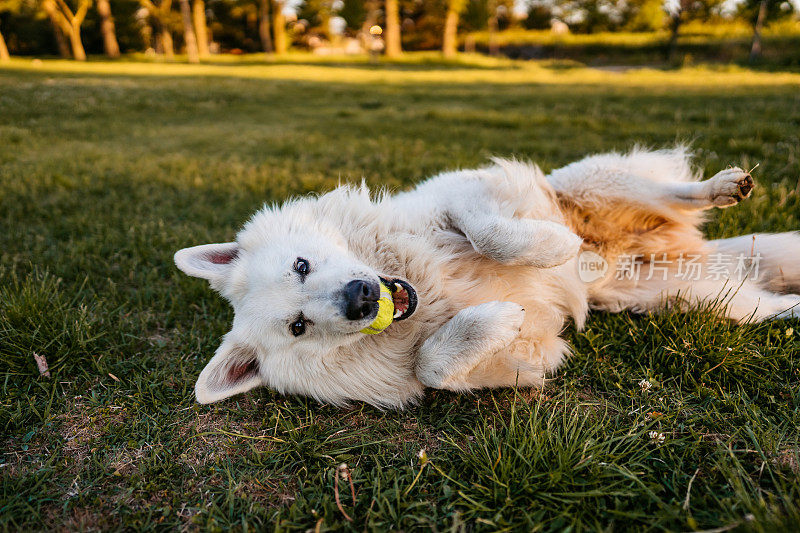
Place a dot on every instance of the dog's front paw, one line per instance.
(502, 320)
(492, 326)
(730, 187)
(473, 336)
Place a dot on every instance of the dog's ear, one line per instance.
(208, 261)
(232, 370)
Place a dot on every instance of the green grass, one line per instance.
(697, 42)
(107, 168)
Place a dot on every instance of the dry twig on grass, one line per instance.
(41, 362)
(344, 471)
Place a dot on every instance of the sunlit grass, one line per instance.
(697, 42)
(694, 33)
(107, 168)
(425, 68)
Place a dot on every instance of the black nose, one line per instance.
(360, 298)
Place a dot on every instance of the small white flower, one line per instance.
(657, 437)
(645, 385)
(343, 470)
(423, 456)
(790, 332)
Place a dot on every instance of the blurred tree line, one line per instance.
(198, 28)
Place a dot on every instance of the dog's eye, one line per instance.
(298, 327)
(301, 266)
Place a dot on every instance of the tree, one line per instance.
(317, 15)
(497, 13)
(189, 37)
(540, 13)
(201, 27)
(682, 11)
(61, 41)
(69, 22)
(110, 44)
(161, 15)
(4, 57)
(755, 48)
(263, 26)
(354, 12)
(450, 37)
(645, 15)
(29, 30)
(50, 11)
(393, 44)
(757, 13)
(279, 27)
(591, 16)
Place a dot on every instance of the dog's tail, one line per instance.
(774, 258)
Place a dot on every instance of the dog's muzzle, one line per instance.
(361, 299)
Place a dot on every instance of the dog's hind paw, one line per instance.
(730, 187)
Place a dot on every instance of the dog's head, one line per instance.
(297, 293)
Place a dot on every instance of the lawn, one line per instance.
(107, 168)
(697, 42)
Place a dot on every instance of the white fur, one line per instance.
(492, 255)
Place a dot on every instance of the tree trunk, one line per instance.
(450, 40)
(190, 39)
(279, 27)
(110, 44)
(166, 43)
(394, 47)
(263, 26)
(4, 57)
(68, 22)
(672, 45)
(755, 49)
(494, 49)
(61, 41)
(160, 15)
(78, 53)
(201, 27)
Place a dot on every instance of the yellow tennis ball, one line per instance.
(385, 313)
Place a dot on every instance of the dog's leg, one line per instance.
(470, 338)
(745, 302)
(661, 182)
(777, 256)
(735, 299)
(724, 189)
(790, 307)
(516, 241)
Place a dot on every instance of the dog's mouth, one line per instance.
(404, 297)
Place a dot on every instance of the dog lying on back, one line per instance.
(486, 266)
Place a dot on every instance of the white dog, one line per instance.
(486, 268)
